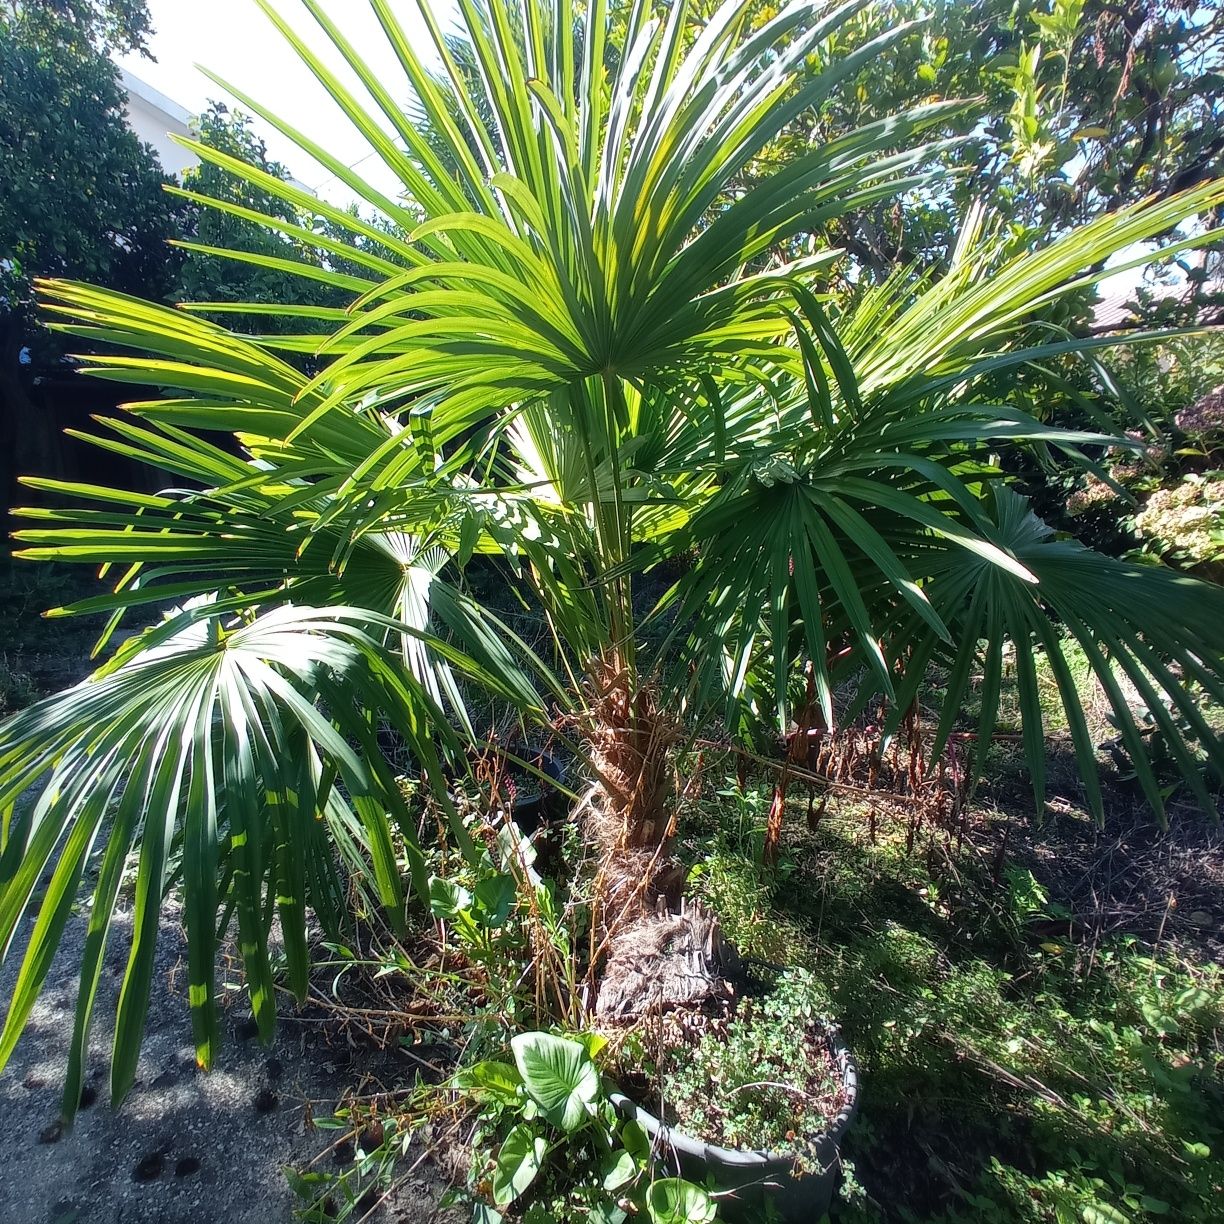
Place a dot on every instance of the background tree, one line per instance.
(119, 25)
(264, 278)
(1088, 105)
(80, 195)
(245, 271)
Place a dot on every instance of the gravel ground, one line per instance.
(185, 1145)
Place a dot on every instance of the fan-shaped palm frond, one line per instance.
(210, 754)
(1141, 628)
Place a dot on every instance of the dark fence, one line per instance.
(35, 412)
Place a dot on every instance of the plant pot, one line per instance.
(539, 802)
(746, 1181)
(535, 802)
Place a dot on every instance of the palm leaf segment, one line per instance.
(575, 218)
(879, 476)
(208, 752)
(1152, 639)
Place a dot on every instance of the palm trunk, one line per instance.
(630, 738)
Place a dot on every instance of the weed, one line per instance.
(1018, 1064)
(547, 1138)
(17, 688)
(768, 1080)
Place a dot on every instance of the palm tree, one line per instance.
(575, 344)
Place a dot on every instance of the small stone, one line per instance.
(246, 1029)
(266, 1101)
(33, 1082)
(1201, 919)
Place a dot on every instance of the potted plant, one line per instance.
(756, 1109)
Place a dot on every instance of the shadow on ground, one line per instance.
(185, 1145)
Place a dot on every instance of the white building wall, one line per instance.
(153, 117)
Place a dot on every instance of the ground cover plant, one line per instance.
(1044, 1044)
(582, 346)
(766, 1080)
(1040, 1036)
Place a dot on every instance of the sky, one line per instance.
(235, 40)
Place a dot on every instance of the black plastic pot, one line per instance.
(745, 1181)
(540, 802)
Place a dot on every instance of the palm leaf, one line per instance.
(180, 743)
(1147, 626)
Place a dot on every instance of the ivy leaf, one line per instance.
(619, 1169)
(495, 1079)
(593, 1043)
(605, 1213)
(447, 899)
(494, 898)
(636, 1141)
(522, 1153)
(1103, 1213)
(676, 1201)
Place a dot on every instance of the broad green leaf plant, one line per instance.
(578, 346)
(556, 1132)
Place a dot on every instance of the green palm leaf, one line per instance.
(165, 757)
(1144, 626)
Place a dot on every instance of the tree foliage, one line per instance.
(111, 25)
(1087, 105)
(79, 195)
(248, 246)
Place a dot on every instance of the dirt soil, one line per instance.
(185, 1145)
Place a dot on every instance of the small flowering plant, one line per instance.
(1186, 521)
(1205, 417)
(767, 1080)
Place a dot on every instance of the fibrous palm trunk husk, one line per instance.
(654, 953)
(665, 962)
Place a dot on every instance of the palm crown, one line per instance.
(578, 344)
